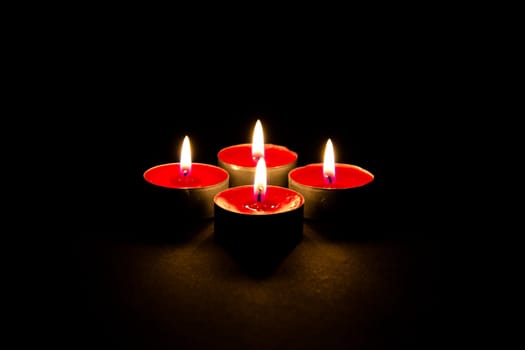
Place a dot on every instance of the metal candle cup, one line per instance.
(324, 199)
(242, 221)
(259, 215)
(187, 188)
(240, 163)
(191, 195)
(241, 160)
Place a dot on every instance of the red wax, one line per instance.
(241, 200)
(241, 155)
(201, 175)
(346, 176)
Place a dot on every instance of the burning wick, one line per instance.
(185, 172)
(258, 142)
(259, 194)
(329, 179)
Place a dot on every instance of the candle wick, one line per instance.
(259, 191)
(185, 172)
(329, 179)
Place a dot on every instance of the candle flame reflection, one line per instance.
(329, 162)
(258, 141)
(185, 157)
(259, 184)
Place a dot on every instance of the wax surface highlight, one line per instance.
(241, 200)
(202, 175)
(241, 155)
(346, 176)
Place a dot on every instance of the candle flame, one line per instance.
(329, 162)
(258, 141)
(259, 184)
(185, 157)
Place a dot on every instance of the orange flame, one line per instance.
(329, 162)
(185, 157)
(258, 141)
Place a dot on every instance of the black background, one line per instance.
(120, 105)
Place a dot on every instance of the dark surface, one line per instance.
(191, 293)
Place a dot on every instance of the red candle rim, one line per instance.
(277, 200)
(346, 176)
(165, 175)
(241, 155)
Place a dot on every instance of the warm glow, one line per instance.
(329, 162)
(258, 141)
(259, 184)
(185, 157)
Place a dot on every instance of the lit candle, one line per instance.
(191, 186)
(258, 213)
(329, 187)
(240, 160)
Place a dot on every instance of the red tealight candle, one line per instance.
(241, 160)
(328, 186)
(192, 185)
(258, 213)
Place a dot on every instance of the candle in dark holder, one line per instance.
(240, 160)
(330, 189)
(258, 216)
(186, 189)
